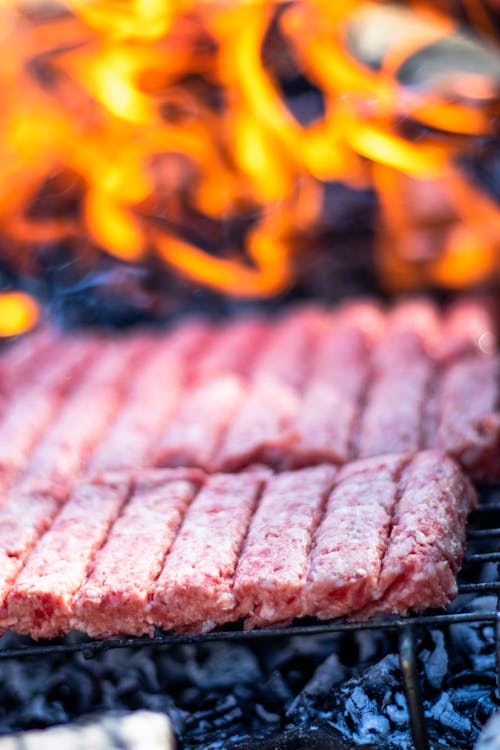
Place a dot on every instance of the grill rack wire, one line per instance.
(483, 547)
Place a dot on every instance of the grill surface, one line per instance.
(479, 576)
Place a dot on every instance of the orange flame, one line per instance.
(105, 90)
(18, 313)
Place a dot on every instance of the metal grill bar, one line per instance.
(489, 507)
(483, 533)
(91, 648)
(482, 557)
(479, 588)
(409, 672)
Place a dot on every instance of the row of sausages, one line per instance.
(183, 550)
(313, 386)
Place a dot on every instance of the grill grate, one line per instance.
(479, 576)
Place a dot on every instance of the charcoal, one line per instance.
(214, 723)
(278, 690)
(490, 736)
(41, 713)
(224, 665)
(470, 691)
(369, 645)
(331, 672)
(74, 692)
(327, 692)
(468, 644)
(267, 716)
(143, 678)
(363, 699)
(370, 724)
(109, 698)
(472, 645)
(371, 707)
(446, 715)
(398, 711)
(301, 739)
(435, 662)
(217, 713)
(485, 707)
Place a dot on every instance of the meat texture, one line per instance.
(154, 394)
(313, 386)
(234, 349)
(115, 597)
(196, 430)
(469, 414)
(271, 570)
(348, 547)
(41, 602)
(27, 512)
(181, 550)
(67, 445)
(470, 326)
(381, 534)
(427, 539)
(36, 403)
(207, 408)
(328, 413)
(21, 361)
(402, 375)
(195, 587)
(262, 429)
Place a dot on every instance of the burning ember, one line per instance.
(206, 134)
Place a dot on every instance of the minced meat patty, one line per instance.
(311, 386)
(117, 591)
(187, 551)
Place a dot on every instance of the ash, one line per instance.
(335, 692)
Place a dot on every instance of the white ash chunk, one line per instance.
(137, 730)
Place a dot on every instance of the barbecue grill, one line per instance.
(483, 549)
(273, 240)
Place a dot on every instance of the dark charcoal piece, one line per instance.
(302, 739)
(355, 709)
(490, 736)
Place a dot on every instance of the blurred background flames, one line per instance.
(203, 137)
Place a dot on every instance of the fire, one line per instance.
(18, 313)
(153, 107)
